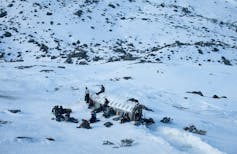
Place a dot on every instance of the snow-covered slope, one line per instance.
(152, 50)
(108, 30)
(160, 87)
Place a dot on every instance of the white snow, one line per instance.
(151, 30)
(33, 92)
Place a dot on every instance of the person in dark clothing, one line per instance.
(91, 103)
(125, 118)
(70, 119)
(93, 117)
(55, 109)
(102, 89)
(84, 124)
(87, 95)
(109, 112)
(105, 105)
(60, 110)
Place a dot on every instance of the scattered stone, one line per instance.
(217, 97)
(193, 129)
(111, 5)
(4, 122)
(14, 111)
(24, 138)
(50, 139)
(126, 142)
(108, 124)
(23, 67)
(127, 77)
(166, 120)
(83, 63)
(3, 13)
(47, 71)
(79, 13)
(225, 61)
(196, 92)
(7, 34)
(63, 67)
(180, 107)
(108, 142)
(133, 100)
(147, 122)
(44, 48)
(49, 13)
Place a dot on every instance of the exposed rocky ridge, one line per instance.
(107, 31)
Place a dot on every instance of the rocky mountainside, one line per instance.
(82, 32)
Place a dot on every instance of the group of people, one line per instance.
(62, 114)
(88, 100)
(105, 108)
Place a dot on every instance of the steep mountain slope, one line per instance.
(107, 30)
(161, 52)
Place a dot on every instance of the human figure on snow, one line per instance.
(125, 118)
(102, 89)
(87, 95)
(105, 105)
(84, 124)
(93, 117)
(91, 103)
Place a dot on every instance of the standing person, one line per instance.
(105, 105)
(93, 117)
(102, 89)
(87, 95)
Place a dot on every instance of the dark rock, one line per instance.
(14, 111)
(96, 58)
(83, 63)
(50, 139)
(217, 97)
(49, 13)
(196, 92)
(3, 13)
(79, 13)
(215, 50)
(126, 142)
(111, 5)
(133, 100)
(108, 142)
(120, 50)
(128, 56)
(10, 5)
(23, 67)
(7, 34)
(108, 124)
(186, 10)
(127, 77)
(53, 57)
(44, 48)
(193, 129)
(63, 67)
(25, 138)
(166, 120)
(148, 121)
(47, 71)
(69, 60)
(200, 51)
(2, 54)
(225, 61)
